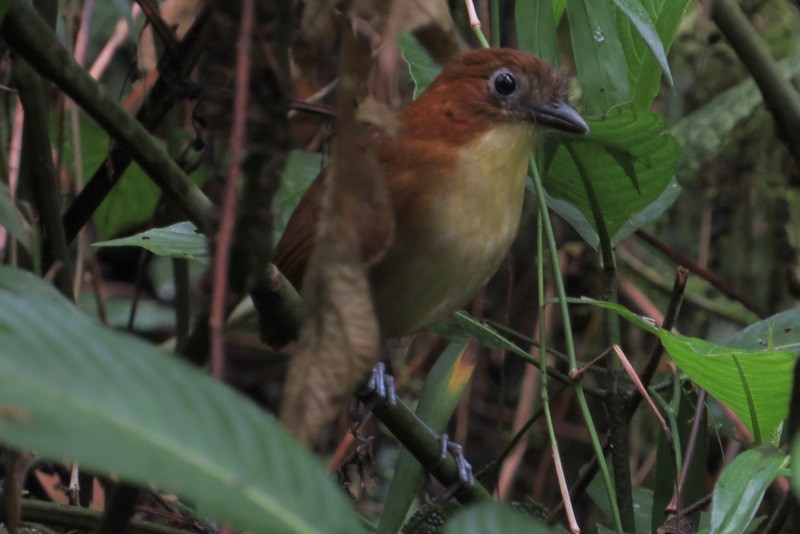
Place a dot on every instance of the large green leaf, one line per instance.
(627, 159)
(599, 58)
(73, 389)
(754, 384)
(644, 67)
(741, 486)
(536, 29)
(440, 395)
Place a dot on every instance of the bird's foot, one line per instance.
(382, 384)
(463, 467)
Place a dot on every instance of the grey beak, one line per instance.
(560, 116)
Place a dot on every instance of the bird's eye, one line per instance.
(504, 83)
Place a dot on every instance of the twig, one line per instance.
(705, 274)
(228, 210)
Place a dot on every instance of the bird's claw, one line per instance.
(382, 384)
(463, 467)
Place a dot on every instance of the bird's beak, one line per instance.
(560, 116)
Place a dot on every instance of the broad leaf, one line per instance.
(536, 29)
(599, 57)
(181, 240)
(627, 159)
(72, 389)
(754, 384)
(740, 488)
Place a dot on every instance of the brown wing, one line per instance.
(294, 248)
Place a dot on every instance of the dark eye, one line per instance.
(504, 83)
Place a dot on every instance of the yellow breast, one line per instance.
(470, 227)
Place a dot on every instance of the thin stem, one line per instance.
(475, 24)
(562, 480)
(568, 339)
(228, 211)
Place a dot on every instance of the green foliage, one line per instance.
(599, 57)
(300, 170)
(536, 28)
(118, 406)
(657, 23)
(623, 166)
(755, 384)
(741, 488)
(181, 240)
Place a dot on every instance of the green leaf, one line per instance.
(628, 159)
(300, 170)
(461, 326)
(754, 384)
(599, 58)
(132, 201)
(642, 503)
(496, 518)
(13, 221)
(119, 406)
(440, 395)
(536, 29)
(779, 332)
(741, 487)
(421, 66)
(644, 73)
(640, 18)
(643, 66)
(652, 212)
(133, 198)
(181, 240)
(706, 132)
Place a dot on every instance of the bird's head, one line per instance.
(489, 87)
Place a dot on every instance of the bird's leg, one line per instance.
(380, 397)
(381, 385)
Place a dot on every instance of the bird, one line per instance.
(455, 172)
